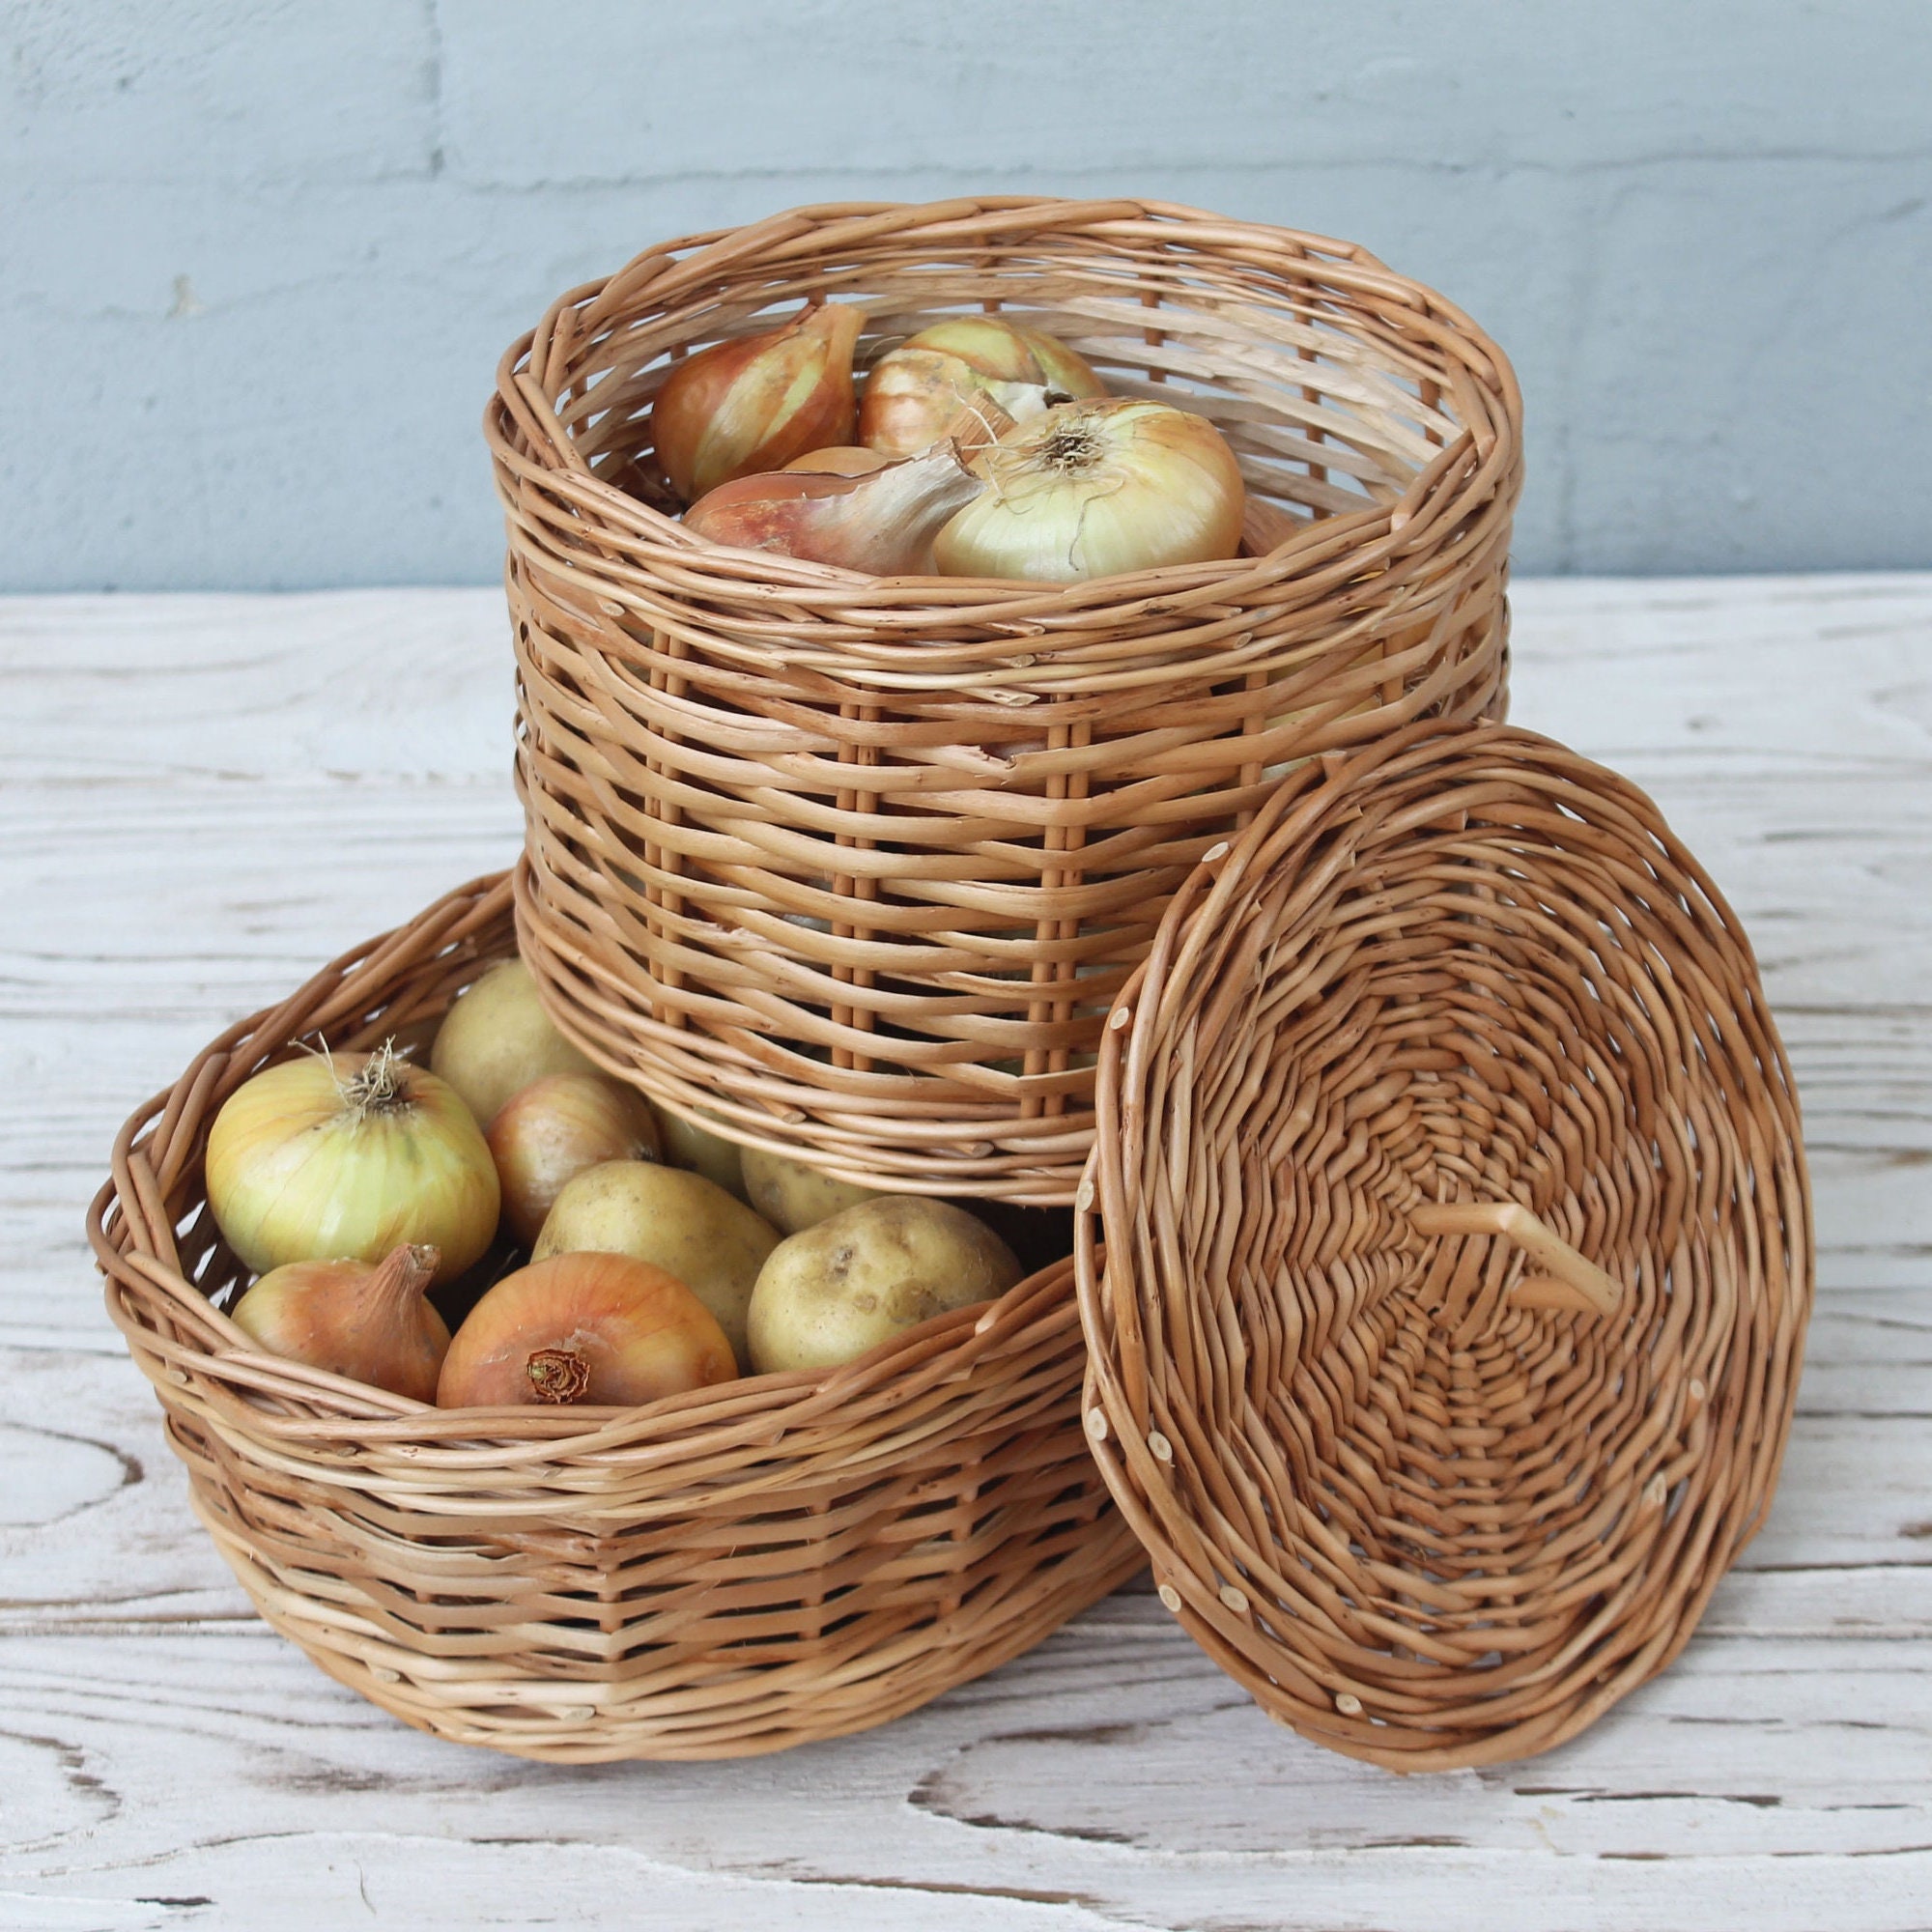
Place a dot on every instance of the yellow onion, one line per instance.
(343, 1156)
(1094, 489)
(752, 404)
(841, 459)
(966, 378)
(584, 1328)
(369, 1323)
(554, 1129)
(883, 521)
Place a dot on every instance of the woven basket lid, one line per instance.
(1456, 1249)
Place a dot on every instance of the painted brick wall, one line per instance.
(258, 260)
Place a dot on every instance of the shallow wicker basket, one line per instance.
(1458, 1249)
(779, 1559)
(858, 865)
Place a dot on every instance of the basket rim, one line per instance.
(314, 1406)
(1116, 1393)
(1468, 471)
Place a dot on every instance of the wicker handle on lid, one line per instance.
(1570, 1281)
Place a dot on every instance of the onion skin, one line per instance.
(750, 405)
(1097, 489)
(584, 1328)
(966, 378)
(372, 1324)
(841, 459)
(883, 523)
(553, 1130)
(346, 1157)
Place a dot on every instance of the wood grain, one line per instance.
(203, 797)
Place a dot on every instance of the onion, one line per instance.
(344, 1156)
(841, 459)
(369, 1323)
(883, 523)
(554, 1129)
(1094, 489)
(750, 405)
(584, 1328)
(966, 378)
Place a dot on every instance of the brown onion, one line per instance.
(370, 1323)
(584, 1328)
(841, 459)
(883, 523)
(750, 405)
(554, 1129)
(968, 379)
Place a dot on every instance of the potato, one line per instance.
(792, 1196)
(496, 1040)
(689, 1144)
(679, 1222)
(836, 1290)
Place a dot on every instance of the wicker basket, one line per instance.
(1459, 1250)
(860, 864)
(779, 1559)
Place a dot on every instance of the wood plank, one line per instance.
(1104, 1781)
(202, 798)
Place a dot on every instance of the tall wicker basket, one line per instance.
(858, 865)
(1458, 1249)
(775, 1560)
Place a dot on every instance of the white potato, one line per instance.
(680, 1222)
(692, 1145)
(844, 1286)
(497, 1039)
(792, 1196)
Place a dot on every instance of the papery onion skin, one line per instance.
(967, 377)
(584, 1328)
(841, 459)
(744, 406)
(368, 1322)
(883, 523)
(327, 1158)
(556, 1127)
(1099, 489)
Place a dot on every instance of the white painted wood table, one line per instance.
(204, 797)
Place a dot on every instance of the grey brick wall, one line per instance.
(258, 260)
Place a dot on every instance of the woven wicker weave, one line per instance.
(1458, 1250)
(858, 863)
(779, 1559)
